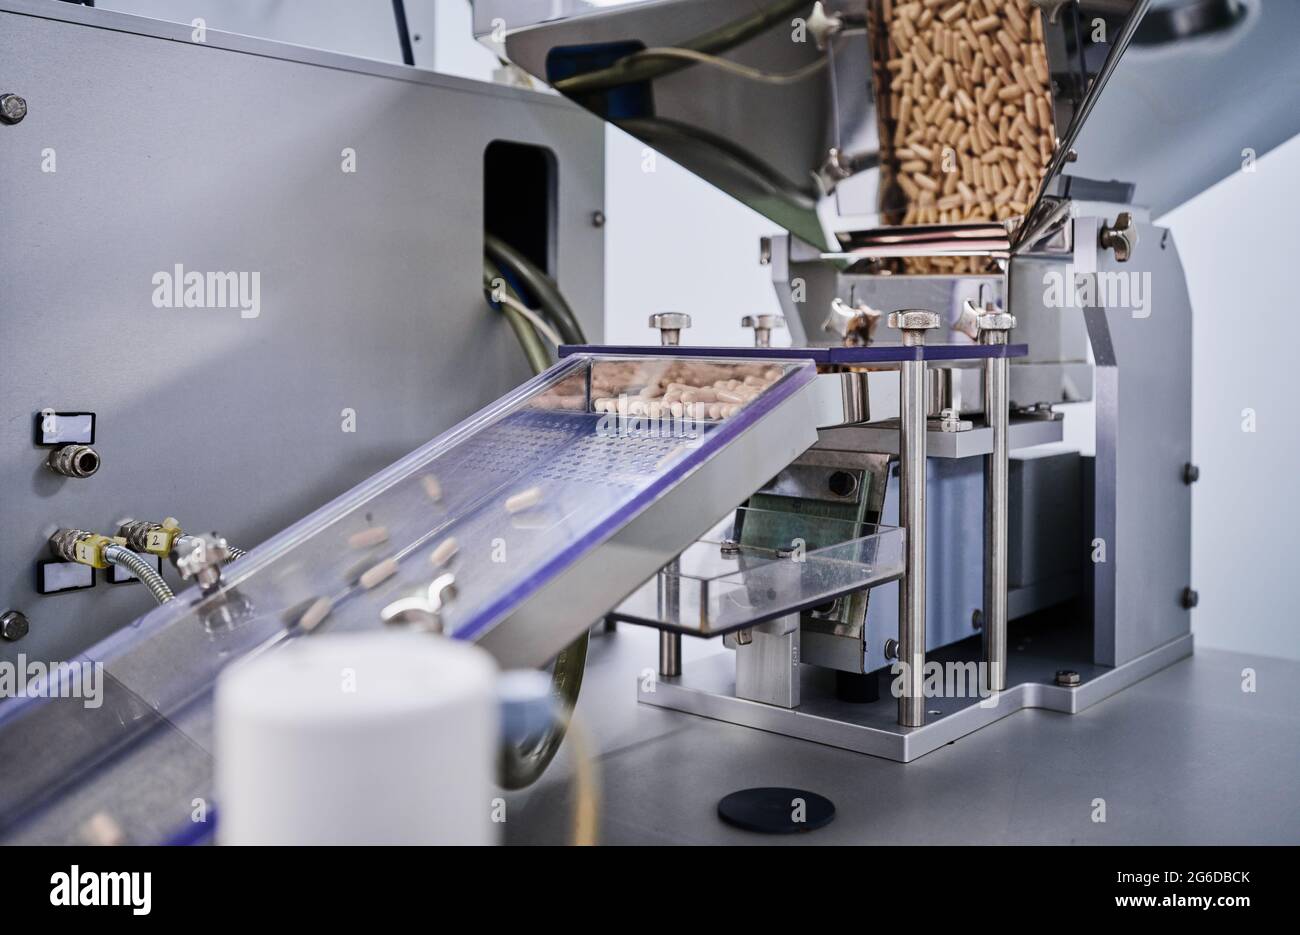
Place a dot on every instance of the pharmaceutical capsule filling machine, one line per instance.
(877, 518)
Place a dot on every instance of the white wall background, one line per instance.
(675, 243)
(1239, 247)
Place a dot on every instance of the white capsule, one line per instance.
(379, 573)
(700, 396)
(102, 830)
(525, 500)
(318, 611)
(368, 538)
(445, 551)
(432, 489)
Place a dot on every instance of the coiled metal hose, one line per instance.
(124, 558)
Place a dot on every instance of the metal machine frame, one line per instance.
(835, 275)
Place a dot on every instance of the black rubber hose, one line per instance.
(540, 285)
(529, 340)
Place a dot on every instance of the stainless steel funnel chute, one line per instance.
(785, 104)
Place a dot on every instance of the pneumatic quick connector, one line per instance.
(153, 538)
(88, 548)
(162, 538)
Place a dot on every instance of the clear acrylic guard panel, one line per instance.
(738, 576)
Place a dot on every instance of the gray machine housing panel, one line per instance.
(227, 155)
(1142, 507)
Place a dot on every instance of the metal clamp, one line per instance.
(424, 611)
(855, 324)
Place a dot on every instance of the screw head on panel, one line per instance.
(13, 625)
(12, 108)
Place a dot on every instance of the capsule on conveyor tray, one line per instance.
(314, 615)
(368, 538)
(445, 551)
(524, 500)
(378, 574)
(672, 389)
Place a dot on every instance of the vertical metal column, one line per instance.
(670, 325)
(913, 323)
(993, 329)
(670, 654)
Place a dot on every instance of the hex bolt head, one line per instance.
(13, 625)
(1191, 473)
(1190, 598)
(1068, 678)
(12, 108)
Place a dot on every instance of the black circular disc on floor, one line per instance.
(776, 810)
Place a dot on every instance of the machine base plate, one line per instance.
(707, 688)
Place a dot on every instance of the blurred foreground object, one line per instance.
(376, 738)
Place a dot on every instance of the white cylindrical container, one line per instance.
(365, 738)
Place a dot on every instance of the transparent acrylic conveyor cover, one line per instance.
(562, 498)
